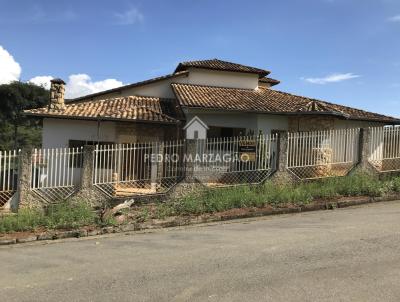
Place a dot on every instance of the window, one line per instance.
(196, 134)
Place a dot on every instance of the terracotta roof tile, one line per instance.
(271, 81)
(132, 108)
(216, 64)
(266, 100)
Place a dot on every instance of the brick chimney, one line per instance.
(57, 90)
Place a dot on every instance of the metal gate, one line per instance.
(384, 153)
(9, 161)
(55, 172)
(235, 160)
(139, 168)
(320, 154)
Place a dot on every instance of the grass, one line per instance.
(58, 216)
(217, 200)
(67, 215)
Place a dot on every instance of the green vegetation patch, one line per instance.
(63, 215)
(222, 199)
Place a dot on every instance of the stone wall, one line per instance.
(136, 132)
(311, 123)
(321, 122)
(57, 91)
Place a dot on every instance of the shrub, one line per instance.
(395, 185)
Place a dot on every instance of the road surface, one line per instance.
(348, 254)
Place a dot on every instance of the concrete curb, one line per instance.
(185, 221)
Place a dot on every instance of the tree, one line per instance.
(16, 129)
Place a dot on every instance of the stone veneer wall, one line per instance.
(323, 122)
(311, 123)
(57, 91)
(136, 132)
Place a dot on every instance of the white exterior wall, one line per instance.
(268, 122)
(160, 89)
(58, 132)
(222, 78)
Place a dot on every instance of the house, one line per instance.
(208, 98)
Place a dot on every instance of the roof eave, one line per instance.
(94, 118)
(331, 113)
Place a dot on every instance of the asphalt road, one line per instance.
(348, 254)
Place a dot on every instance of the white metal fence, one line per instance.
(55, 172)
(9, 161)
(235, 160)
(321, 154)
(384, 145)
(138, 168)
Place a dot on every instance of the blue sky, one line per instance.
(344, 51)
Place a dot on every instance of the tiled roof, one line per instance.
(265, 100)
(216, 64)
(271, 81)
(130, 108)
(137, 84)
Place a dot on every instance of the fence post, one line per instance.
(154, 158)
(364, 165)
(24, 179)
(87, 168)
(281, 174)
(190, 156)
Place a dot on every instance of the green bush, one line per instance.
(395, 185)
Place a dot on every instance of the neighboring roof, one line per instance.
(265, 100)
(195, 119)
(216, 64)
(137, 84)
(271, 81)
(131, 108)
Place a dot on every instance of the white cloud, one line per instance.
(10, 70)
(78, 84)
(81, 84)
(394, 18)
(332, 78)
(131, 16)
(43, 81)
